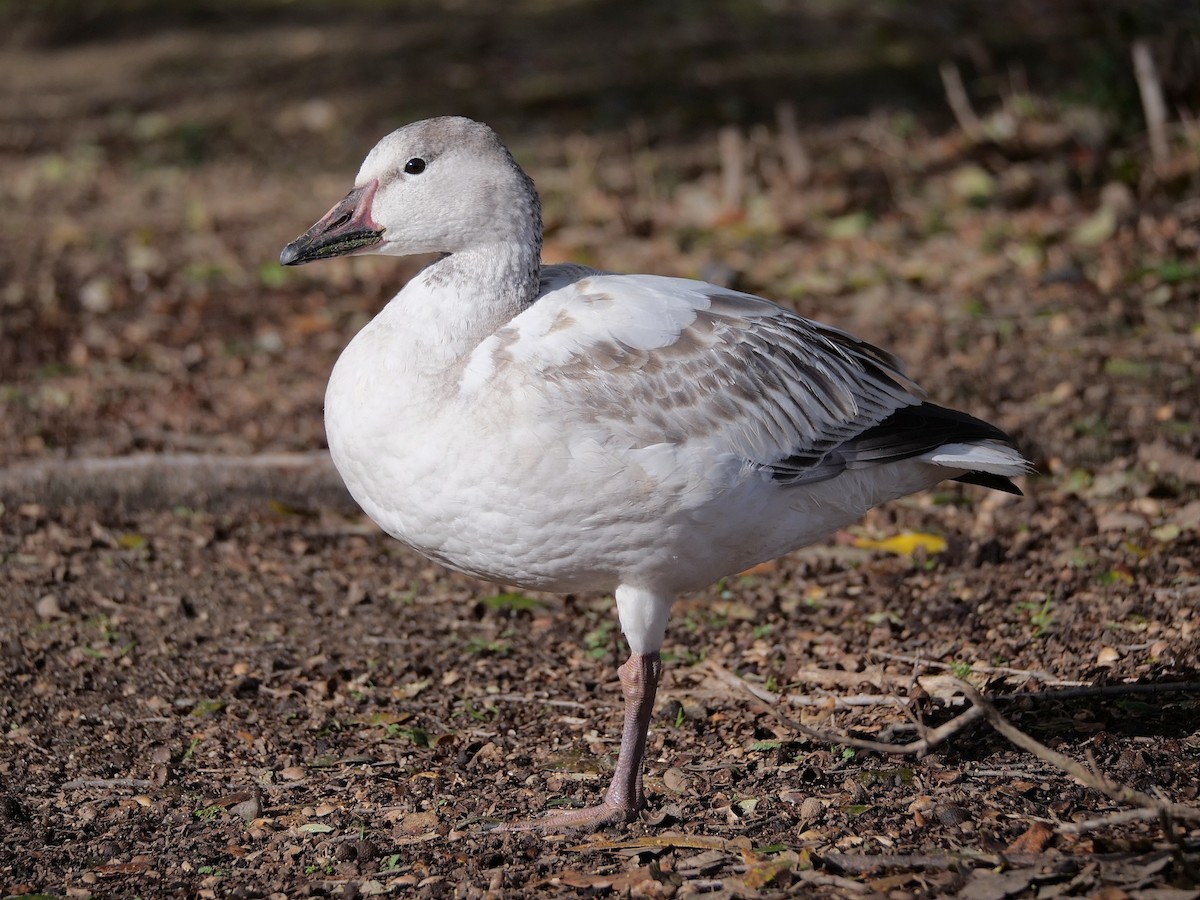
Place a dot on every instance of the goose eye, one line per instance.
(415, 166)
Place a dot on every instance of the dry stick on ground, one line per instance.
(164, 480)
(1070, 690)
(1151, 807)
(960, 103)
(814, 878)
(1075, 691)
(796, 161)
(865, 864)
(1155, 109)
(731, 149)
(81, 783)
(1122, 817)
(1043, 677)
(929, 739)
(1081, 773)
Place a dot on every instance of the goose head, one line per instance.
(437, 186)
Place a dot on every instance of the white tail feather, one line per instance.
(984, 456)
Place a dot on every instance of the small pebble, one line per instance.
(811, 809)
(247, 810)
(951, 814)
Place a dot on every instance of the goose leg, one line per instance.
(624, 798)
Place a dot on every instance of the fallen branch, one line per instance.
(1076, 690)
(839, 678)
(809, 676)
(823, 700)
(150, 480)
(1081, 773)
(929, 738)
(1138, 814)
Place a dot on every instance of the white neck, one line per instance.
(455, 303)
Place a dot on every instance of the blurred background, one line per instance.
(1003, 193)
(881, 164)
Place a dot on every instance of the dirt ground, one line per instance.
(236, 686)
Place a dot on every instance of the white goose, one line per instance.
(564, 429)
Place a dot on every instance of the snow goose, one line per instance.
(564, 429)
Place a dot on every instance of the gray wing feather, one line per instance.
(747, 376)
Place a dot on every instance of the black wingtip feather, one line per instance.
(907, 432)
(988, 480)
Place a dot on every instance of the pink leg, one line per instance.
(624, 798)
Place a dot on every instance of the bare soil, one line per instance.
(241, 688)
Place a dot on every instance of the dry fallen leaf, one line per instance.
(1034, 839)
(674, 780)
(906, 543)
(1108, 656)
(419, 822)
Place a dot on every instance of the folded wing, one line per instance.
(661, 360)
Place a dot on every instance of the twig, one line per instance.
(930, 738)
(1070, 690)
(1146, 806)
(1137, 814)
(896, 729)
(857, 700)
(827, 699)
(731, 148)
(960, 103)
(817, 676)
(1043, 677)
(530, 698)
(1076, 691)
(81, 783)
(864, 864)
(824, 879)
(741, 684)
(796, 162)
(838, 678)
(1155, 109)
(1097, 781)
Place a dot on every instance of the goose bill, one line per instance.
(345, 229)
